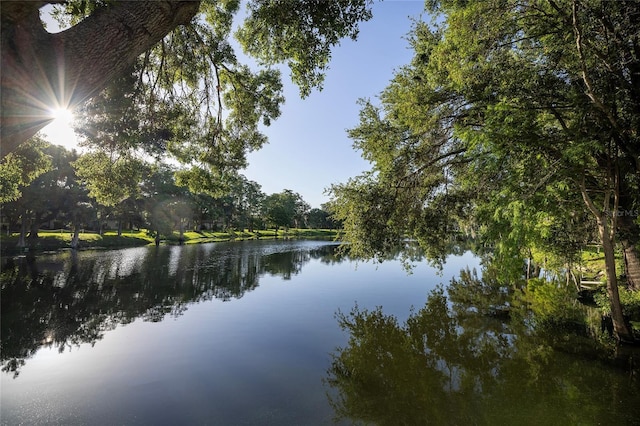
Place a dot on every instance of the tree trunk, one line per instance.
(75, 241)
(43, 71)
(629, 238)
(22, 239)
(607, 224)
(631, 265)
(33, 230)
(621, 329)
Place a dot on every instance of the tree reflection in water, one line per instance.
(461, 360)
(70, 298)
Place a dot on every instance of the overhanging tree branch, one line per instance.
(43, 71)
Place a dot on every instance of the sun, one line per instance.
(63, 115)
(60, 130)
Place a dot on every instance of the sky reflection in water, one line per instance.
(244, 333)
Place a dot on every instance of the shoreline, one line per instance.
(57, 240)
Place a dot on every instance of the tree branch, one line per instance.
(42, 71)
(585, 75)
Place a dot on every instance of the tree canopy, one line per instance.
(285, 209)
(177, 62)
(516, 122)
(94, 193)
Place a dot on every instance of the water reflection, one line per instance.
(478, 353)
(70, 298)
(462, 360)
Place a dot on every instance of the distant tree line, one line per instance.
(76, 193)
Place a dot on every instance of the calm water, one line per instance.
(246, 333)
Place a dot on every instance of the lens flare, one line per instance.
(60, 130)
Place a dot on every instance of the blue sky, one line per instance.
(308, 146)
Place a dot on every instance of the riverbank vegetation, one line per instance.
(516, 124)
(60, 208)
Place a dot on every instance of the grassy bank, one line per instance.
(61, 239)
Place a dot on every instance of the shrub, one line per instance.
(630, 301)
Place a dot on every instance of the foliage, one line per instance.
(285, 209)
(629, 299)
(320, 219)
(514, 124)
(370, 233)
(19, 168)
(450, 365)
(53, 195)
(98, 191)
(301, 35)
(190, 97)
(553, 303)
(110, 180)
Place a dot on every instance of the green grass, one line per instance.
(592, 262)
(61, 239)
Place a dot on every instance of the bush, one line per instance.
(630, 301)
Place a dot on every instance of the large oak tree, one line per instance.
(180, 53)
(42, 71)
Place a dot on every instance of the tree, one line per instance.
(301, 209)
(93, 53)
(183, 46)
(167, 205)
(203, 211)
(276, 212)
(285, 209)
(248, 197)
(110, 179)
(21, 167)
(512, 120)
(320, 219)
(46, 198)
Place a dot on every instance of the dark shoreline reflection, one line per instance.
(463, 359)
(69, 298)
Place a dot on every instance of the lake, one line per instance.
(276, 333)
